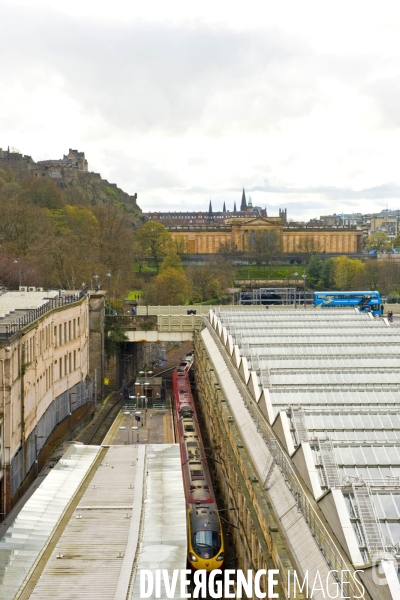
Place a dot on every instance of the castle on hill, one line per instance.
(72, 168)
(24, 166)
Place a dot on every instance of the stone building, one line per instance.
(24, 166)
(207, 232)
(211, 217)
(45, 380)
(239, 232)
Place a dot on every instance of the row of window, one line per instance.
(387, 506)
(42, 340)
(352, 421)
(66, 332)
(363, 455)
(66, 364)
(367, 455)
(367, 473)
(380, 435)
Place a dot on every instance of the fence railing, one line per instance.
(328, 545)
(21, 322)
(187, 310)
(131, 322)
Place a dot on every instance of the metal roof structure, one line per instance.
(28, 535)
(327, 382)
(98, 517)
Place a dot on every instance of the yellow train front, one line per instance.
(205, 539)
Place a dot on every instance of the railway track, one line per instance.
(95, 433)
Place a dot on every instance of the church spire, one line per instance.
(210, 208)
(243, 206)
(234, 206)
(224, 209)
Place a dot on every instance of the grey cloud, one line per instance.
(308, 202)
(383, 191)
(385, 93)
(197, 161)
(143, 77)
(138, 174)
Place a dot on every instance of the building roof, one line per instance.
(18, 309)
(106, 533)
(334, 375)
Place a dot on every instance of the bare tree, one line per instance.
(265, 245)
(308, 245)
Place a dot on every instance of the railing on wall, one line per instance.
(35, 313)
(187, 310)
(162, 323)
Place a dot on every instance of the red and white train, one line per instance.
(205, 539)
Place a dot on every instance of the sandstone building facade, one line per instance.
(239, 233)
(45, 381)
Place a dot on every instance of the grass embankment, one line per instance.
(267, 272)
(243, 272)
(133, 294)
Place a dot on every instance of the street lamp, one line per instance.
(137, 391)
(304, 276)
(130, 413)
(96, 279)
(146, 399)
(17, 261)
(109, 292)
(146, 373)
(296, 275)
(132, 397)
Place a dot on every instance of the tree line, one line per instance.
(75, 236)
(173, 284)
(64, 238)
(344, 273)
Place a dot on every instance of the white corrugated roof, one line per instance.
(31, 529)
(133, 501)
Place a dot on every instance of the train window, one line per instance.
(189, 428)
(196, 473)
(206, 543)
(186, 414)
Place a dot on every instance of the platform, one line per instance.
(98, 517)
(154, 427)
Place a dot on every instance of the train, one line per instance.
(204, 530)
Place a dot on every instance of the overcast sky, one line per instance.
(298, 102)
